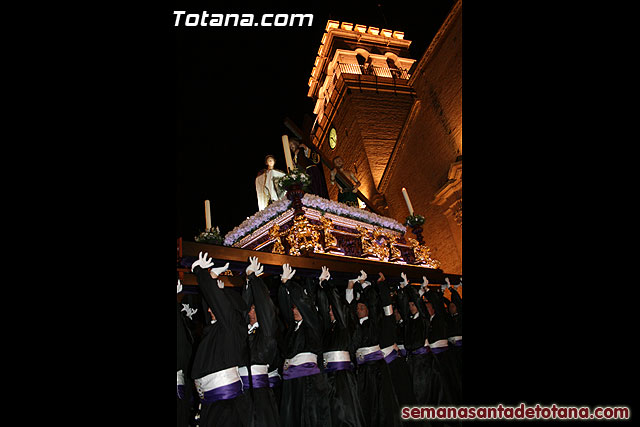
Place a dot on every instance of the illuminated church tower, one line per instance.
(396, 122)
(360, 85)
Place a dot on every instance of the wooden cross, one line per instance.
(305, 136)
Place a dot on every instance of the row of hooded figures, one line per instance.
(322, 353)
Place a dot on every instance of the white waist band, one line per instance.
(439, 343)
(217, 379)
(456, 338)
(301, 358)
(255, 370)
(336, 356)
(363, 351)
(180, 377)
(388, 310)
(274, 373)
(387, 350)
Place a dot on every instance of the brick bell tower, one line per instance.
(360, 84)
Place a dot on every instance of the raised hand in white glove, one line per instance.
(405, 281)
(191, 312)
(425, 282)
(325, 275)
(202, 261)
(446, 279)
(287, 273)
(179, 286)
(362, 277)
(459, 284)
(220, 284)
(254, 266)
(423, 286)
(215, 272)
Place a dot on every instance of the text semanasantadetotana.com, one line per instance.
(515, 412)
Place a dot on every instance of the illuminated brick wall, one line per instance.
(430, 143)
(408, 139)
(368, 125)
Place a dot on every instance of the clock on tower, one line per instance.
(333, 138)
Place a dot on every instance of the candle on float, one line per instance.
(207, 215)
(406, 199)
(287, 152)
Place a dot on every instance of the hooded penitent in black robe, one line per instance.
(220, 353)
(262, 349)
(454, 328)
(375, 387)
(275, 365)
(415, 334)
(305, 392)
(402, 381)
(184, 387)
(445, 391)
(338, 356)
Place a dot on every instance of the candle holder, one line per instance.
(295, 193)
(416, 222)
(295, 183)
(418, 232)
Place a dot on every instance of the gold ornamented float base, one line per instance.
(323, 232)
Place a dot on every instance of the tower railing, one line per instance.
(373, 70)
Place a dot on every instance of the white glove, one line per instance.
(405, 281)
(287, 273)
(202, 261)
(446, 279)
(179, 286)
(361, 277)
(459, 284)
(220, 284)
(191, 312)
(423, 286)
(254, 266)
(215, 272)
(325, 275)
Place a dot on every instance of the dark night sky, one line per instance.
(234, 86)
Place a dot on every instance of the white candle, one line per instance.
(406, 199)
(207, 214)
(287, 152)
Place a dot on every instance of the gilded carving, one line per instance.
(274, 233)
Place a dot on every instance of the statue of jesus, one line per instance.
(266, 190)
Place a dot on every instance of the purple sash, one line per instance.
(371, 357)
(391, 356)
(338, 366)
(438, 350)
(403, 352)
(180, 391)
(258, 381)
(421, 350)
(298, 371)
(458, 343)
(274, 381)
(226, 392)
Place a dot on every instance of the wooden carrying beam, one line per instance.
(341, 267)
